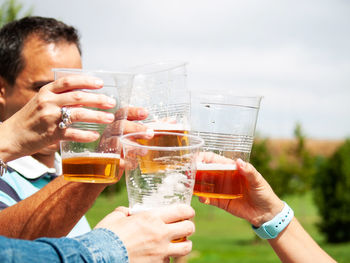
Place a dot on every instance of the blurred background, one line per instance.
(294, 53)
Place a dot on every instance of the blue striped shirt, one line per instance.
(25, 176)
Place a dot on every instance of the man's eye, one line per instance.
(37, 88)
(38, 85)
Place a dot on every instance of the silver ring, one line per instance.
(65, 116)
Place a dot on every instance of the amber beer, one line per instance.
(149, 163)
(164, 140)
(92, 168)
(218, 181)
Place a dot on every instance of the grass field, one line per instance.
(221, 238)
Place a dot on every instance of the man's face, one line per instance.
(40, 58)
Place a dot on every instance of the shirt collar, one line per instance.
(31, 168)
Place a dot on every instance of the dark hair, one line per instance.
(14, 34)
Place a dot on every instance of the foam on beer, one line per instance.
(216, 166)
(66, 155)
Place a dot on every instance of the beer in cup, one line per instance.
(159, 175)
(227, 123)
(98, 161)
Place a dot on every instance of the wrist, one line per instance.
(9, 147)
(267, 213)
(272, 228)
(5, 156)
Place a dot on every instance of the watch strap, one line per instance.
(272, 228)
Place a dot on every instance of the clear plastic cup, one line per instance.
(98, 161)
(161, 88)
(159, 171)
(227, 123)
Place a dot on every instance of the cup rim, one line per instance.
(124, 141)
(92, 71)
(215, 97)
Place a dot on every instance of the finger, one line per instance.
(253, 177)
(207, 200)
(181, 229)
(145, 134)
(122, 164)
(121, 114)
(86, 99)
(87, 115)
(137, 113)
(72, 82)
(210, 157)
(76, 135)
(110, 219)
(175, 213)
(122, 209)
(119, 127)
(131, 127)
(210, 201)
(180, 249)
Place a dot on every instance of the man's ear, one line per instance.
(3, 84)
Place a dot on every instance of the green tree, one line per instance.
(289, 172)
(11, 10)
(261, 159)
(332, 195)
(305, 164)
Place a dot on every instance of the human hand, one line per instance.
(124, 123)
(36, 124)
(147, 235)
(259, 203)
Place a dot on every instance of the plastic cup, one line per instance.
(227, 124)
(98, 161)
(159, 171)
(161, 89)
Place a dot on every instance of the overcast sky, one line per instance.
(296, 53)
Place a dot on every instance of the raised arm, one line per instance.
(56, 208)
(259, 205)
(51, 212)
(113, 240)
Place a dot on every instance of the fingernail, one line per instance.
(204, 200)
(111, 101)
(142, 113)
(241, 163)
(99, 82)
(149, 133)
(110, 117)
(95, 135)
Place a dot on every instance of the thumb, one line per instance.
(111, 219)
(253, 177)
(122, 209)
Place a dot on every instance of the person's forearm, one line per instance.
(51, 212)
(99, 245)
(8, 148)
(295, 245)
(42, 251)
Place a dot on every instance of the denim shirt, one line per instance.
(99, 245)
